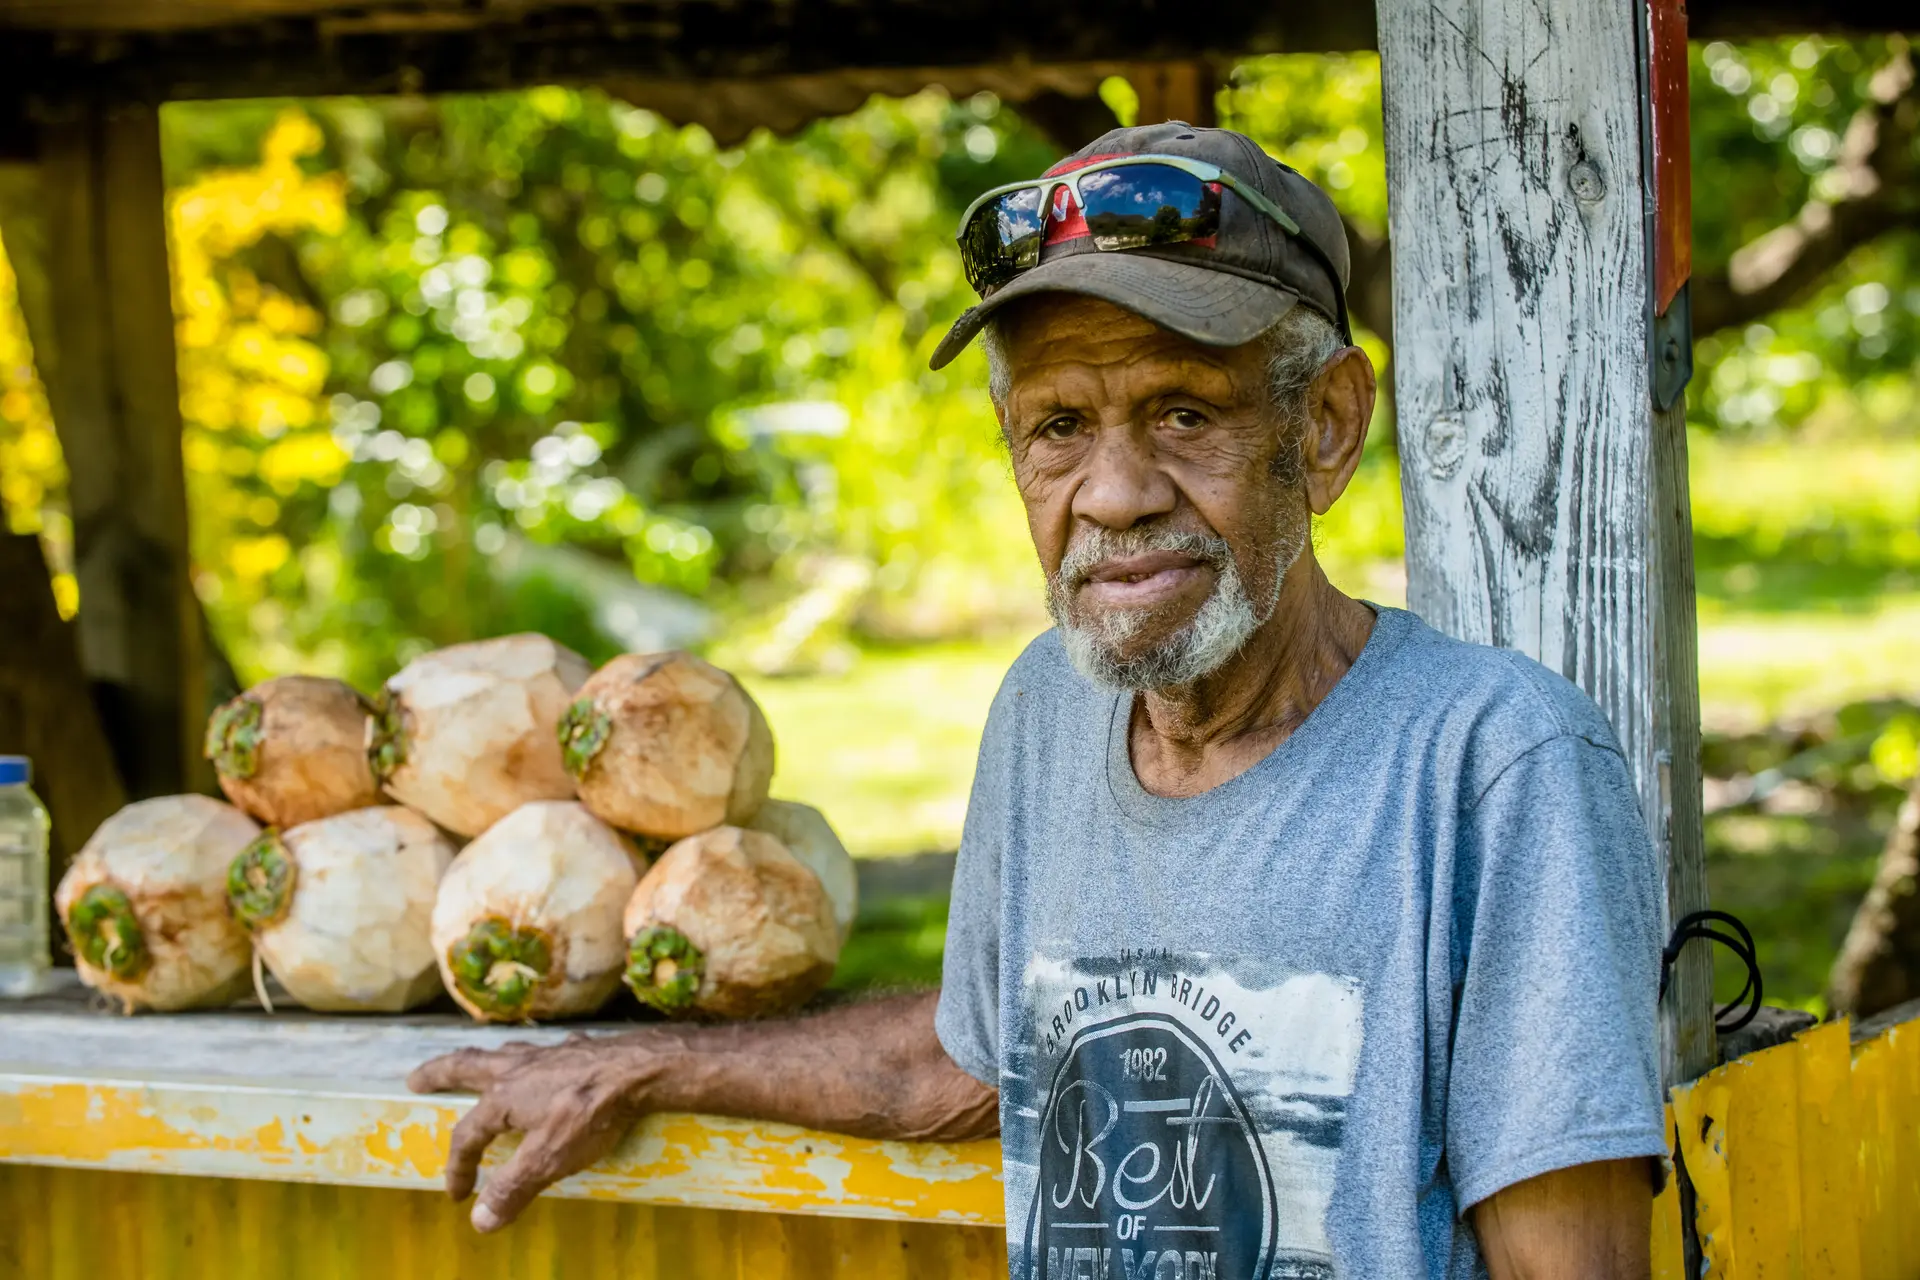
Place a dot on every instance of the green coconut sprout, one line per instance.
(260, 882)
(583, 731)
(107, 932)
(499, 965)
(233, 738)
(664, 968)
(386, 736)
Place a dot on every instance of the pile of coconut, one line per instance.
(337, 866)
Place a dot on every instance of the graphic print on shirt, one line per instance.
(1177, 1118)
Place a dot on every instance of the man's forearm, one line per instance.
(874, 1070)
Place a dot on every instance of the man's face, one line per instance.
(1163, 494)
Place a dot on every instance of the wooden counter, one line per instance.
(294, 1151)
(279, 1121)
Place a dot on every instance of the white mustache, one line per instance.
(1097, 545)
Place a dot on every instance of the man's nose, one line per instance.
(1122, 482)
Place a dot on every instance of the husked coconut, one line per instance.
(808, 836)
(144, 903)
(667, 745)
(294, 750)
(527, 922)
(341, 909)
(730, 924)
(464, 735)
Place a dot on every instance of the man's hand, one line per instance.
(871, 1070)
(573, 1102)
(1590, 1222)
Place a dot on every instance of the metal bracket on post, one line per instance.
(1671, 337)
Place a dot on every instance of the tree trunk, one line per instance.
(1879, 966)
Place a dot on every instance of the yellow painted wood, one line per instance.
(1805, 1161)
(1669, 1249)
(1829, 1155)
(1902, 1137)
(1879, 1227)
(1700, 1111)
(1762, 1147)
(83, 1224)
(400, 1142)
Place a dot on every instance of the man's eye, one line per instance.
(1186, 419)
(1059, 428)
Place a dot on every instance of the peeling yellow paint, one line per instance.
(402, 1142)
(1700, 1113)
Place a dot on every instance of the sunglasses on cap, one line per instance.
(1128, 202)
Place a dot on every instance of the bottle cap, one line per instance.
(15, 770)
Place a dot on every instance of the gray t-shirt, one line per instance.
(1297, 1025)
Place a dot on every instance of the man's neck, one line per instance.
(1192, 738)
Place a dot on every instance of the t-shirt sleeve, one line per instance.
(968, 1018)
(1557, 915)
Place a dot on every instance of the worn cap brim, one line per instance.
(1205, 304)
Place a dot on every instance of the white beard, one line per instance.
(1225, 622)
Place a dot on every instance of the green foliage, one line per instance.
(554, 317)
(1799, 810)
(1770, 123)
(1319, 113)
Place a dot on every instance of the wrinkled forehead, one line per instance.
(1050, 337)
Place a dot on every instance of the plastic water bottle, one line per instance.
(24, 957)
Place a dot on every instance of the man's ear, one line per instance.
(1339, 409)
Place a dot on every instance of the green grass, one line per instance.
(887, 749)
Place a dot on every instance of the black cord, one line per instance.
(1695, 924)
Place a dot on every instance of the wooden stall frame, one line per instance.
(1545, 494)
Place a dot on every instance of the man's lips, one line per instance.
(1141, 580)
(1144, 565)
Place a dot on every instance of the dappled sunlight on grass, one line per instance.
(1756, 667)
(887, 750)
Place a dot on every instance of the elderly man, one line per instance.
(1290, 938)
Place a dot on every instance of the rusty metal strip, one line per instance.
(227, 1130)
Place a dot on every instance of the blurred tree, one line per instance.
(419, 337)
(548, 316)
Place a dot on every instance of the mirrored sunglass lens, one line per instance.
(1003, 239)
(1142, 204)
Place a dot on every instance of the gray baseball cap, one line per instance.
(1222, 294)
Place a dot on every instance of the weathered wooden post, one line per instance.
(99, 305)
(1539, 318)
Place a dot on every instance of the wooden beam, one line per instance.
(103, 339)
(1175, 91)
(161, 50)
(1546, 500)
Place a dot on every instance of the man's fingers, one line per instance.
(469, 1069)
(471, 1136)
(538, 1164)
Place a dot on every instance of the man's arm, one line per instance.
(871, 1070)
(1590, 1222)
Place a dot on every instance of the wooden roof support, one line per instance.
(102, 329)
(1546, 496)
